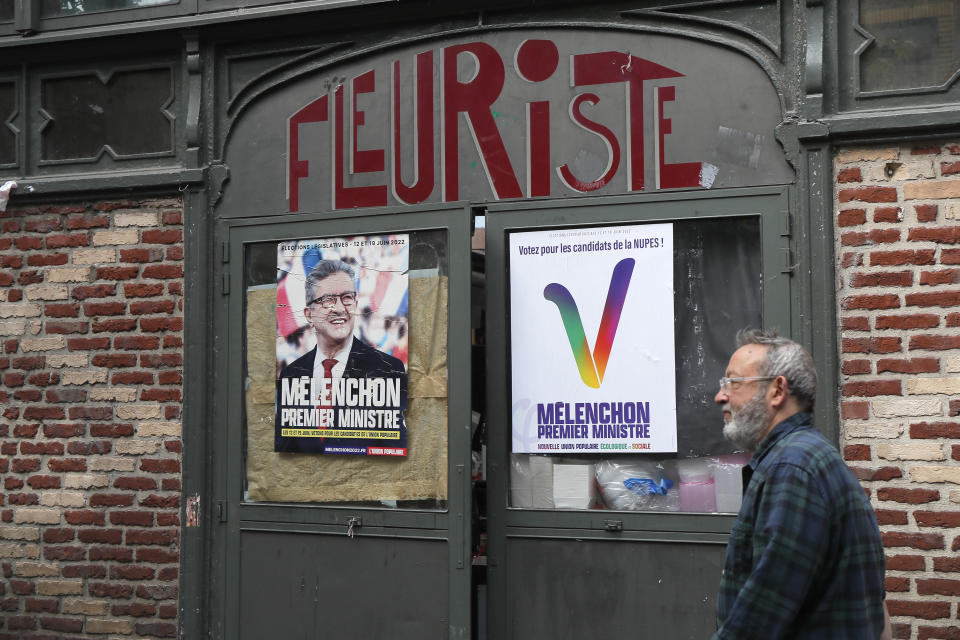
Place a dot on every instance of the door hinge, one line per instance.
(786, 225)
(225, 290)
(788, 264)
(221, 511)
(224, 252)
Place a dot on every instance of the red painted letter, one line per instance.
(609, 139)
(349, 197)
(672, 176)
(316, 111)
(475, 99)
(363, 161)
(422, 133)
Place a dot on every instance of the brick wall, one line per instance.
(91, 323)
(898, 279)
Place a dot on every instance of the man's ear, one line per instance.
(779, 392)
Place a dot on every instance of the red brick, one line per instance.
(880, 474)
(856, 452)
(160, 465)
(933, 299)
(952, 320)
(62, 430)
(30, 363)
(931, 633)
(79, 326)
(111, 500)
(157, 629)
(941, 235)
(892, 258)
(83, 292)
(141, 255)
(136, 609)
(116, 273)
(915, 540)
(97, 447)
(158, 361)
(135, 483)
(111, 430)
(20, 623)
(91, 413)
(926, 212)
(58, 535)
(104, 308)
(114, 205)
(156, 592)
(161, 324)
(151, 306)
(942, 276)
(888, 214)
(114, 360)
(43, 379)
(905, 563)
(84, 571)
(849, 174)
(132, 377)
(912, 321)
(954, 408)
(115, 591)
(934, 343)
(101, 536)
(885, 301)
(174, 253)
(923, 430)
(170, 236)
(26, 243)
(43, 413)
(142, 290)
(882, 279)
(41, 448)
(136, 342)
(897, 584)
(889, 516)
(87, 222)
(117, 554)
(870, 388)
(949, 519)
(11, 262)
(162, 537)
(23, 499)
(67, 464)
(949, 564)
(855, 323)
(855, 367)
(161, 395)
(87, 344)
(25, 278)
(169, 377)
(938, 586)
(163, 271)
(868, 194)
(68, 625)
(170, 484)
(852, 259)
(955, 452)
(84, 517)
(62, 240)
(168, 520)
(41, 605)
(64, 553)
(114, 325)
(155, 501)
(157, 556)
(132, 518)
(907, 496)
(912, 365)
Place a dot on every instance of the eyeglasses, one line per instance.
(329, 300)
(726, 383)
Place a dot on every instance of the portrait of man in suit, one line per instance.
(348, 380)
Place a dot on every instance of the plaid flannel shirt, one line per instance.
(804, 558)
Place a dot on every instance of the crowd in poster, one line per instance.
(592, 345)
(342, 311)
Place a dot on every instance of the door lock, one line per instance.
(353, 523)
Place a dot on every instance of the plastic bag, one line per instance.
(636, 486)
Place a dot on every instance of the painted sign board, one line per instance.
(591, 335)
(510, 115)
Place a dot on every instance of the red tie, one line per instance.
(328, 366)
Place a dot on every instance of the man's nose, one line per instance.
(722, 397)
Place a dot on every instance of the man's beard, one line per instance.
(748, 425)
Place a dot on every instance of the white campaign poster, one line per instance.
(592, 340)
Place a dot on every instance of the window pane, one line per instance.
(717, 290)
(52, 8)
(374, 457)
(917, 43)
(8, 140)
(6, 10)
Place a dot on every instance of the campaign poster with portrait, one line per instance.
(592, 344)
(342, 336)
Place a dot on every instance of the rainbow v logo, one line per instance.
(592, 367)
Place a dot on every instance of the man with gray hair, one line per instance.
(805, 559)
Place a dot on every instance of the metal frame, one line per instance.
(771, 204)
(224, 455)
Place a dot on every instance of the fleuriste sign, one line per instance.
(514, 114)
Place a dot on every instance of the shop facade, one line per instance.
(556, 216)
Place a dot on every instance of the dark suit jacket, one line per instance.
(363, 362)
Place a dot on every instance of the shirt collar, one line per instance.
(785, 427)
